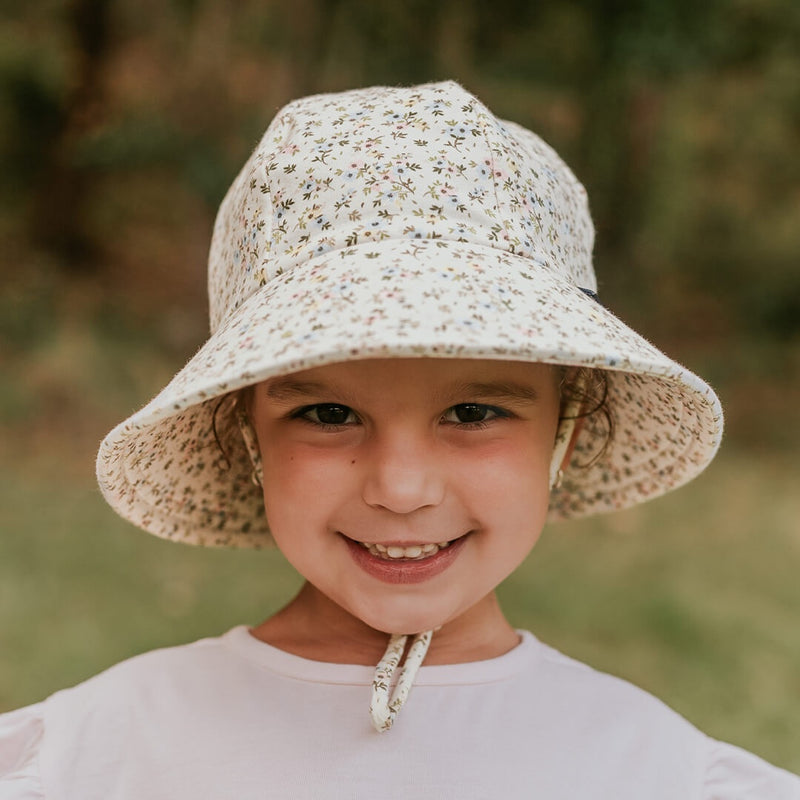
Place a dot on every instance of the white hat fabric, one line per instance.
(400, 222)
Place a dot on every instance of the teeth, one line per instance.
(414, 551)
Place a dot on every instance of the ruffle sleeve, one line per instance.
(21, 734)
(735, 774)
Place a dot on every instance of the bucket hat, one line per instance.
(400, 222)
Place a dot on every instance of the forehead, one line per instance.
(438, 379)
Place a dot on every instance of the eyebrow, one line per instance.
(289, 389)
(495, 390)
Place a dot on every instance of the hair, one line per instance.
(587, 387)
(231, 401)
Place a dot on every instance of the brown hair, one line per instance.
(588, 387)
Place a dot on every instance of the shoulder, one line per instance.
(89, 727)
(606, 699)
(648, 736)
(148, 684)
(192, 661)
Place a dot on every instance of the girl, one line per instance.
(408, 373)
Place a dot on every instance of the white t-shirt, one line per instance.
(235, 718)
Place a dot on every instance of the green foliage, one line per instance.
(32, 96)
(680, 117)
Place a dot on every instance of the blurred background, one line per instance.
(122, 122)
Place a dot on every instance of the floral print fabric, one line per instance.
(390, 222)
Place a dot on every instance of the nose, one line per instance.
(403, 475)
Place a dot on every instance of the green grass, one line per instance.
(80, 589)
(693, 596)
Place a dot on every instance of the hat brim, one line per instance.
(163, 470)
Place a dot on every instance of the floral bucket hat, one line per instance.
(400, 222)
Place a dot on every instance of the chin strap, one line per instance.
(563, 437)
(566, 427)
(251, 444)
(383, 709)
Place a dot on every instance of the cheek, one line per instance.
(508, 500)
(512, 482)
(299, 479)
(511, 462)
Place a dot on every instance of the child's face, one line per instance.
(367, 460)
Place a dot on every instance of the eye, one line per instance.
(472, 414)
(328, 414)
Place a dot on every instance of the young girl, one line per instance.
(409, 371)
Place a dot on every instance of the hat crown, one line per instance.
(339, 171)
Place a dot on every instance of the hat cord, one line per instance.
(383, 708)
(251, 444)
(564, 433)
(566, 426)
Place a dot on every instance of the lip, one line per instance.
(405, 570)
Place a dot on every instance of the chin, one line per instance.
(404, 622)
(409, 629)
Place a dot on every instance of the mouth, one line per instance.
(401, 562)
(413, 552)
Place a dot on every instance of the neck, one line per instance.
(314, 627)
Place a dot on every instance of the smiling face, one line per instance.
(406, 490)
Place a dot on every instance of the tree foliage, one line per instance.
(123, 122)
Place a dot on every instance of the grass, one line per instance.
(693, 596)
